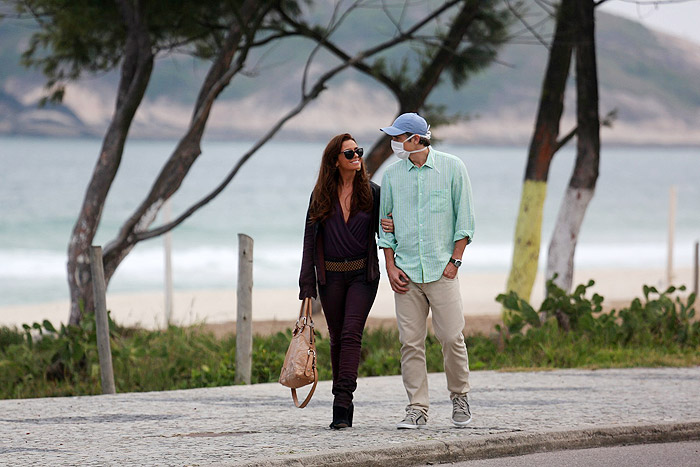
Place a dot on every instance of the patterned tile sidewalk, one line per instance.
(258, 424)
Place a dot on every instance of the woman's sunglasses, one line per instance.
(350, 153)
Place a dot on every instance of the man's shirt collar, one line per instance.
(429, 162)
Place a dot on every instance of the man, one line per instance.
(429, 196)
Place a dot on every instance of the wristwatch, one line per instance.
(456, 262)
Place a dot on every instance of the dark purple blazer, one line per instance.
(313, 267)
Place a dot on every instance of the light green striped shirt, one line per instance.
(432, 208)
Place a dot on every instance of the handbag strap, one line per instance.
(305, 319)
(311, 392)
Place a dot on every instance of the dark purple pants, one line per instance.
(346, 299)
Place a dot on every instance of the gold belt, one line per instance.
(346, 266)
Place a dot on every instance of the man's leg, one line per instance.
(411, 317)
(448, 322)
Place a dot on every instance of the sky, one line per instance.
(677, 17)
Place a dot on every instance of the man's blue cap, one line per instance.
(408, 123)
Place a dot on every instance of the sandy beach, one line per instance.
(618, 286)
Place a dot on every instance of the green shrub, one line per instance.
(569, 330)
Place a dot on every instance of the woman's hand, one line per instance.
(388, 224)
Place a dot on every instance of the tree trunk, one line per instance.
(560, 259)
(188, 149)
(135, 73)
(528, 228)
(379, 153)
(220, 73)
(583, 180)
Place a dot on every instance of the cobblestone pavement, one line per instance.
(258, 424)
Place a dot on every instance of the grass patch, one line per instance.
(569, 331)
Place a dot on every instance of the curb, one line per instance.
(497, 446)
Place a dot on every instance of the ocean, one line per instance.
(42, 182)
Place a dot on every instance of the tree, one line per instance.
(576, 22)
(543, 146)
(468, 45)
(560, 260)
(133, 33)
(143, 31)
(81, 37)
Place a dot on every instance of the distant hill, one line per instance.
(650, 78)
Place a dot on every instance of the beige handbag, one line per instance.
(299, 368)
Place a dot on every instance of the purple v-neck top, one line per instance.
(341, 240)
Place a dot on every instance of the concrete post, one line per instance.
(102, 322)
(244, 319)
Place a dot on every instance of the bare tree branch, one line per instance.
(548, 7)
(517, 14)
(318, 87)
(338, 52)
(187, 150)
(333, 25)
(562, 142)
(653, 2)
(607, 121)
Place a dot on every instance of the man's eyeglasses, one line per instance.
(350, 153)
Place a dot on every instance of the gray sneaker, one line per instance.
(461, 415)
(414, 419)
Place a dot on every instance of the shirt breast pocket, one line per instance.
(438, 201)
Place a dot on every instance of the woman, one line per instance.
(340, 254)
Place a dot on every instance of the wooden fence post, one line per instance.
(671, 234)
(697, 268)
(168, 250)
(102, 322)
(244, 319)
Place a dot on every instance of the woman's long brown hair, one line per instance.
(326, 189)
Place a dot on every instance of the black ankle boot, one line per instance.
(351, 409)
(340, 418)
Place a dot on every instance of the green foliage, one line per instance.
(485, 35)
(660, 319)
(643, 333)
(90, 36)
(61, 360)
(9, 337)
(660, 329)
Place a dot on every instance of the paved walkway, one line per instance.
(258, 425)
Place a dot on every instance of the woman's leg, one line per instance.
(359, 299)
(332, 296)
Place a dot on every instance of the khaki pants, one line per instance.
(444, 298)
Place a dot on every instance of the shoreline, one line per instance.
(618, 286)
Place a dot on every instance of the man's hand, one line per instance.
(450, 271)
(398, 279)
